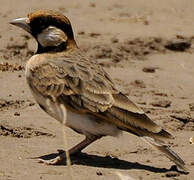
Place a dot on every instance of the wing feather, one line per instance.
(84, 85)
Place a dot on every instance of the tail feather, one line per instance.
(128, 117)
(167, 152)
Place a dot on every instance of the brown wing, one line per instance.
(74, 75)
(83, 85)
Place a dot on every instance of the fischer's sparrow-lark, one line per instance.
(61, 73)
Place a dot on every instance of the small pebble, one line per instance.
(161, 103)
(191, 106)
(16, 114)
(178, 45)
(191, 140)
(94, 34)
(149, 69)
(81, 32)
(31, 104)
(114, 40)
(92, 4)
(146, 22)
(99, 173)
(138, 83)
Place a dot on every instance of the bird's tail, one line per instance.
(128, 117)
(167, 152)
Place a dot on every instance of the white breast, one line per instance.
(89, 125)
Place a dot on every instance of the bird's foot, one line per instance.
(60, 159)
(55, 161)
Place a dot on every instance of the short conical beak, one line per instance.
(22, 23)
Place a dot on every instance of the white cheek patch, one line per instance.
(51, 36)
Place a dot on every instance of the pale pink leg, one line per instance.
(77, 148)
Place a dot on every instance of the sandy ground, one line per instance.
(148, 51)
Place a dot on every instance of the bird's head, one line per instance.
(52, 30)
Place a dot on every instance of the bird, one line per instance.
(61, 73)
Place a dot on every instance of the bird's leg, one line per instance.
(77, 148)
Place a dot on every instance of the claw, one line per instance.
(55, 161)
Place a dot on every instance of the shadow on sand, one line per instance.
(108, 162)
